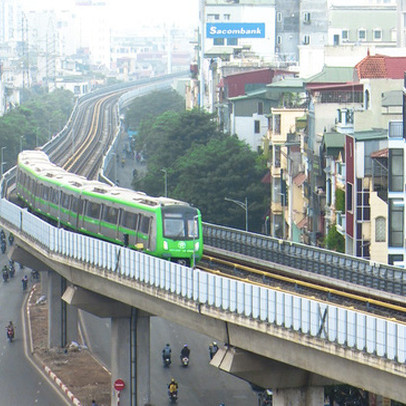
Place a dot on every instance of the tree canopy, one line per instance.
(152, 105)
(34, 122)
(203, 167)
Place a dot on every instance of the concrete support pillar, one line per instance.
(310, 396)
(62, 319)
(44, 283)
(130, 359)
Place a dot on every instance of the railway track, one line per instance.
(91, 132)
(331, 290)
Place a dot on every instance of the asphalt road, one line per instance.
(199, 384)
(22, 382)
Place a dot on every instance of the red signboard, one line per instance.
(119, 384)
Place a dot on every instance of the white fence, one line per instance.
(356, 330)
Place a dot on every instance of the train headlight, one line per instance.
(166, 247)
(197, 245)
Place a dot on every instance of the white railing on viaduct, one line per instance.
(349, 328)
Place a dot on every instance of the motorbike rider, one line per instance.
(5, 272)
(172, 387)
(185, 352)
(166, 352)
(10, 328)
(25, 282)
(213, 348)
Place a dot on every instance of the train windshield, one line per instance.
(180, 224)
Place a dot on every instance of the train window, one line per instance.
(65, 201)
(45, 192)
(55, 196)
(110, 214)
(174, 226)
(74, 204)
(129, 220)
(144, 224)
(192, 227)
(93, 210)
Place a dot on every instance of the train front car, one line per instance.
(181, 233)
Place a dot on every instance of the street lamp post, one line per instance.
(2, 161)
(243, 206)
(166, 181)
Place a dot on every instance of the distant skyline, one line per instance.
(128, 13)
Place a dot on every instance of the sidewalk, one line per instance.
(76, 373)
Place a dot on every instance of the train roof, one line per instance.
(38, 162)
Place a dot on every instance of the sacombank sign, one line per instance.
(235, 30)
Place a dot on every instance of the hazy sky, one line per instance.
(130, 12)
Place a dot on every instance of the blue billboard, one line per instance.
(235, 30)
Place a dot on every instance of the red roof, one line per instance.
(382, 153)
(299, 179)
(381, 66)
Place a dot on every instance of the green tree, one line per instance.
(203, 166)
(32, 123)
(152, 105)
(334, 240)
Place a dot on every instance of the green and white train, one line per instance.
(163, 227)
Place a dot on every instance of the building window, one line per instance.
(366, 100)
(349, 196)
(378, 35)
(394, 258)
(345, 35)
(278, 40)
(396, 170)
(213, 17)
(260, 108)
(380, 229)
(277, 156)
(362, 34)
(232, 41)
(277, 124)
(257, 126)
(396, 218)
(218, 41)
(306, 18)
(306, 39)
(278, 16)
(226, 17)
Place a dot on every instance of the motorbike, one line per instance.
(185, 361)
(11, 270)
(173, 396)
(10, 334)
(167, 361)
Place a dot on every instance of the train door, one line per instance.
(91, 219)
(128, 227)
(109, 221)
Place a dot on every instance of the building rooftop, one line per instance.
(374, 134)
(332, 74)
(381, 67)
